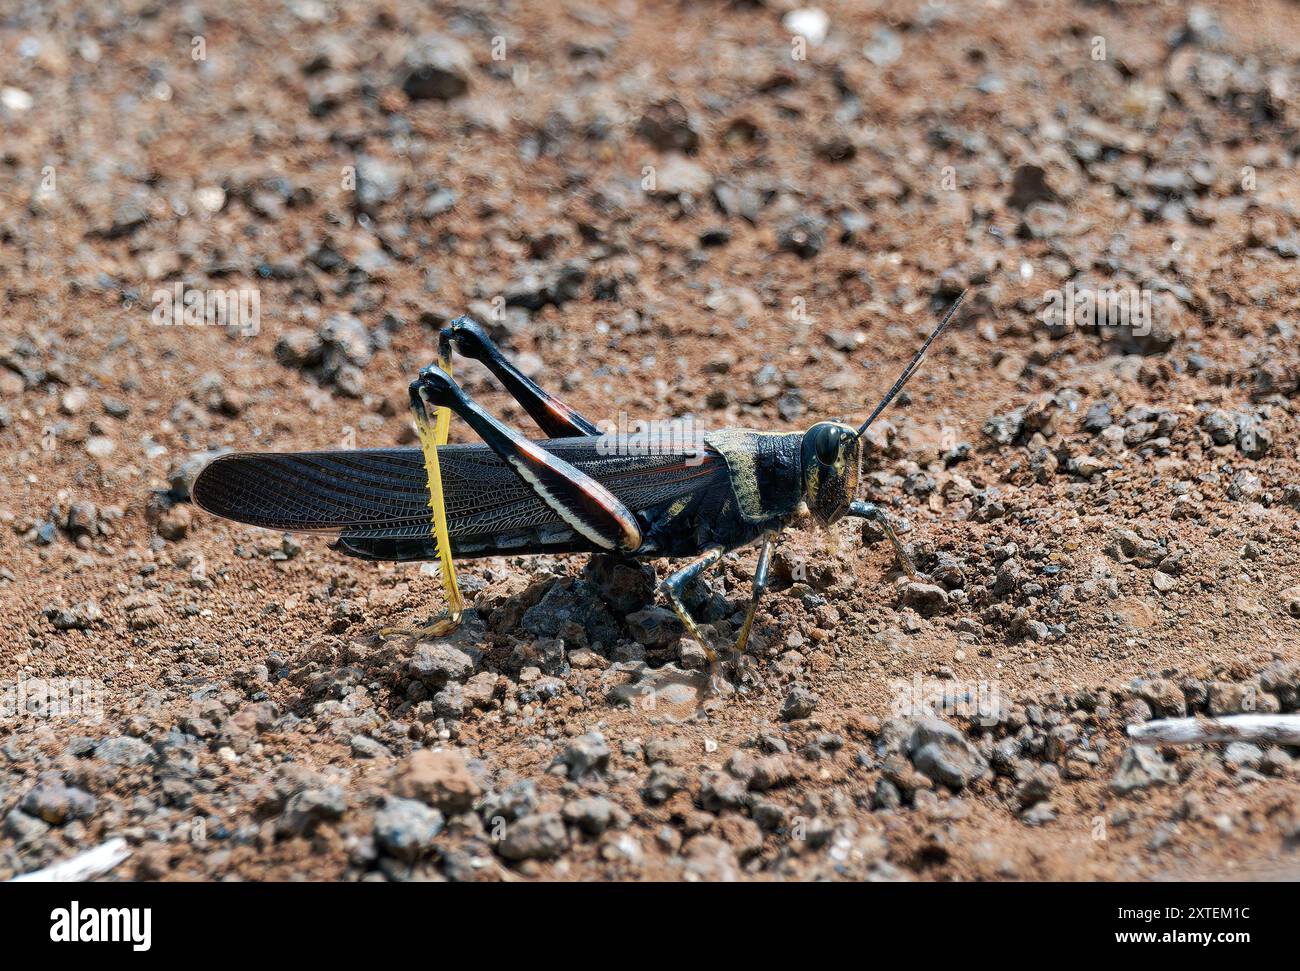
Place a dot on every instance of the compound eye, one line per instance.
(828, 446)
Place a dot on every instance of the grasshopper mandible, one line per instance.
(571, 492)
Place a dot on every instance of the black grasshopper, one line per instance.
(576, 491)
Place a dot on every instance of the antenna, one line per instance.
(913, 366)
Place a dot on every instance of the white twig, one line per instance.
(82, 867)
(1277, 729)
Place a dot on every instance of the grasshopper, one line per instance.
(575, 491)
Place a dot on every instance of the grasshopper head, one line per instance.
(830, 469)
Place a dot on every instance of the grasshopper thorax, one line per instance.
(831, 465)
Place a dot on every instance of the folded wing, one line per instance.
(382, 493)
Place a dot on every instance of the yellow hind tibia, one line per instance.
(430, 438)
(441, 420)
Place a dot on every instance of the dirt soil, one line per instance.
(744, 213)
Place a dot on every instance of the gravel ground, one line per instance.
(747, 213)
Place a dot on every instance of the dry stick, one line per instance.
(82, 867)
(1278, 729)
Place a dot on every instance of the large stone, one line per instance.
(668, 126)
(593, 814)
(1229, 698)
(24, 829)
(925, 598)
(942, 754)
(406, 828)
(124, 751)
(586, 753)
(345, 339)
(438, 778)
(309, 807)
(378, 181)
(541, 836)
(437, 664)
(625, 585)
(663, 781)
(1243, 755)
(571, 602)
(1165, 698)
(437, 67)
(655, 627)
(799, 703)
(1140, 767)
(679, 176)
(56, 803)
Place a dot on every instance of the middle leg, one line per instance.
(675, 584)
(869, 510)
(759, 585)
